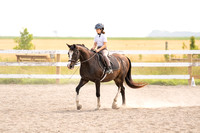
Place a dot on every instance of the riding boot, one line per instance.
(109, 70)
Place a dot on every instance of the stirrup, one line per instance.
(109, 71)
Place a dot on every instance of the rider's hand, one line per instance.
(97, 50)
(93, 50)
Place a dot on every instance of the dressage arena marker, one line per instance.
(193, 82)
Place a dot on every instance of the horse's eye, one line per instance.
(68, 54)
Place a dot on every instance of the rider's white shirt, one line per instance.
(100, 40)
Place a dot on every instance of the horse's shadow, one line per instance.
(91, 110)
(81, 111)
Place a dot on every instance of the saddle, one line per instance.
(113, 61)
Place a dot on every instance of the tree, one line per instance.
(140, 57)
(192, 44)
(24, 42)
(184, 47)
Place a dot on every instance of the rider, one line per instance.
(100, 41)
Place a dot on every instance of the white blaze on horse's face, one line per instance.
(70, 54)
(70, 58)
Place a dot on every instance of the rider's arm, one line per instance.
(104, 46)
(94, 46)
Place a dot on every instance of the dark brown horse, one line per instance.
(90, 70)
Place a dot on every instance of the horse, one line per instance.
(90, 70)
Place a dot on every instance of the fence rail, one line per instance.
(58, 64)
(133, 64)
(116, 51)
(55, 76)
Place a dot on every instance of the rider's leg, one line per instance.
(105, 54)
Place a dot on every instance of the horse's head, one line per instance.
(73, 55)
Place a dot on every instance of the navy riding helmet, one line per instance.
(99, 26)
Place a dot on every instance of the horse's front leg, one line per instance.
(81, 83)
(97, 83)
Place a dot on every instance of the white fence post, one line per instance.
(190, 69)
(58, 68)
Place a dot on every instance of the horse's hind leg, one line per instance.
(119, 84)
(81, 83)
(114, 105)
(123, 95)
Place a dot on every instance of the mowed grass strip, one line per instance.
(65, 70)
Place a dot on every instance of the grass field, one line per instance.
(113, 44)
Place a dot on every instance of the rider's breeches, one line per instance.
(105, 54)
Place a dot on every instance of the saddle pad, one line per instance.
(113, 61)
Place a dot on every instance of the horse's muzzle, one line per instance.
(70, 66)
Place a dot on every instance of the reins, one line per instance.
(88, 59)
(73, 73)
(84, 60)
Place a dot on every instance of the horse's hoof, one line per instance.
(123, 106)
(114, 106)
(79, 107)
(97, 109)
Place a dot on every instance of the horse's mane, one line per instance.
(82, 45)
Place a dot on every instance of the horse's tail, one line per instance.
(129, 80)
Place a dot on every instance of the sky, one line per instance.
(77, 18)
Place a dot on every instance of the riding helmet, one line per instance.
(99, 26)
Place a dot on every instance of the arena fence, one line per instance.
(58, 64)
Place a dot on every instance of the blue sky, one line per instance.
(127, 18)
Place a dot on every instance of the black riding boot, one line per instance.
(109, 70)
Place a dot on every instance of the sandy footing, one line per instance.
(52, 109)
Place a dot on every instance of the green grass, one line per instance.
(35, 70)
(122, 38)
(167, 81)
(172, 82)
(7, 37)
(64, 70)
(151, 38)
(110, 38)
(164, 70)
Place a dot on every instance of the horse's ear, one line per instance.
(68, 45)
(73, 46)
